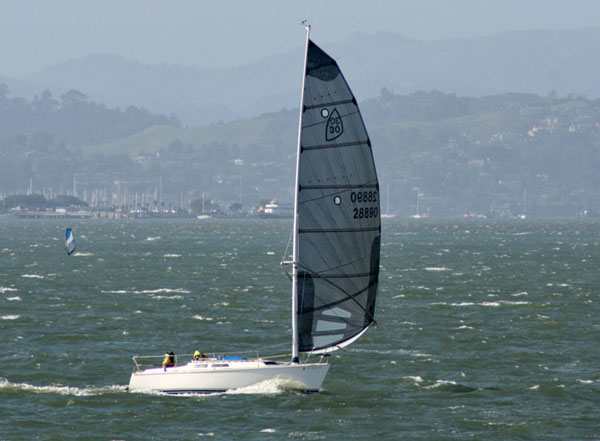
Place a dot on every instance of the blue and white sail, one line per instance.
(69, 241)
(337, 216)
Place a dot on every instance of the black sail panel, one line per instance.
(338, 212)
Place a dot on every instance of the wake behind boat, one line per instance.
(336, 244)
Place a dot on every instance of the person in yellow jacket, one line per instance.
(169, 360)
(198, 356)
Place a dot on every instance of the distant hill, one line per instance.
(461, 154)
(71, 119)
(537, 62)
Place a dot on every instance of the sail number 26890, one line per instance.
(364, 198)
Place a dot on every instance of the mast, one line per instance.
(295, 237)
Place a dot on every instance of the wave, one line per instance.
(14, 299)
(451, 386)
(585, 381)
(416, 379)
(59, 389)
(172, 255)
(437, 268)
(162, 290)
(4, 289)
(199, 317)
(10, 317)
(32, 276)
(151, 239)
(83, 254)
(486, 304)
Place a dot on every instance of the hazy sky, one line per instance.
(41, 33)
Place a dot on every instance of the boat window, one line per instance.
(220, 365)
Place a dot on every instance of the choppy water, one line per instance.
(487, 330)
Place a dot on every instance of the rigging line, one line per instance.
(287, 247)
(343, 291)
(285, 254)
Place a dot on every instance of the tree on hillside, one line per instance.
(68, 201)
(73, 97)
(35, 201)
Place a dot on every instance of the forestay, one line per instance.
(338, 212)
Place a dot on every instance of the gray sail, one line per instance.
(338, 212)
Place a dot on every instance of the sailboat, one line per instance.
(336, 247)
(418, 214)
(69, 241)
(523, 215)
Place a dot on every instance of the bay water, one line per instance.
(487, 329)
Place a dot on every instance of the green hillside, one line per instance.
(459, 154)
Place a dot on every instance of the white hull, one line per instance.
(217, 376)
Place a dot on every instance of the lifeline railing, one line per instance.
(142, 362)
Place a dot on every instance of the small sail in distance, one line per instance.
(69, 241)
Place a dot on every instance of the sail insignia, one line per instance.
(338, 213)
(335, 126)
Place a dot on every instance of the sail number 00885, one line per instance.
(364, 197)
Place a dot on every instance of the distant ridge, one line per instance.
(537, 61)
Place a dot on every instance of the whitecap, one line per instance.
(172, 255)
(535, 387)
(162, 290)
(439, 383)
(437, 268)
(167, 297)
(268, 431)
(150, 239)
(117, 291)
(416, 379)
(32, 276)
(199, 317)
(78, 254)
(4, 289)
(519, 294)
(10, 317)
(586, 381)
(14, 299)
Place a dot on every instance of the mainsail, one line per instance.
(69, 241)
(338, 214)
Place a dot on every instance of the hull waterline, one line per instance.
(218, 377)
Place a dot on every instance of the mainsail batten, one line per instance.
(338, 224)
